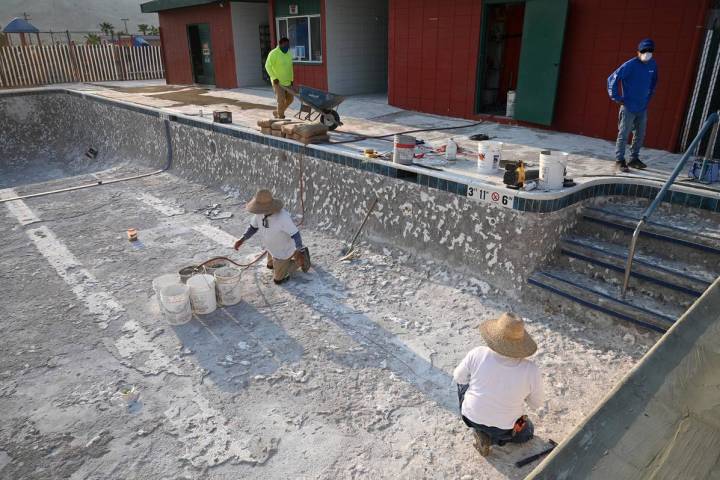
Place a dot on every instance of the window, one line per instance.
(305, 37)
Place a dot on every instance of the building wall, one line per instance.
(436, 71)
(357, 46)
(176, 50)
(311, 75)
(246, 21)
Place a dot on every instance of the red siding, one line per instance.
(435, 70)
(173, 25)
(305, 74)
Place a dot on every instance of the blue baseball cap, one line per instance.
(646, 44)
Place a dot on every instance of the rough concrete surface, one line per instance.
(343, 373)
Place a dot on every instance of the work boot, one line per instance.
(636, 163)
(282, 280)
(621, 166)
(482, 442)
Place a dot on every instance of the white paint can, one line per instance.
(164, 280)
(404, 149)
(552, 169)
(510, 109)
(202, 293)
(227, 283)
(175, 304)
(489, 154)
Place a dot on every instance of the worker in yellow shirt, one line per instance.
(279, 65)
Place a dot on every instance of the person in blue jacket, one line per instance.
(638, 78)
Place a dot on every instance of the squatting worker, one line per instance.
(638, 77)
(496, 381)
(279, 65)
(279, 236)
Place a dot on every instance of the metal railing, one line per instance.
(712, 121)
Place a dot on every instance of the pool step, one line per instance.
(604, 300)
(677, 258)
(646, 268)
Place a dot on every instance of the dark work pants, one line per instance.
(498, 436)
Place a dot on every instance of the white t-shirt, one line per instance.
(276, 238)
(499, 387)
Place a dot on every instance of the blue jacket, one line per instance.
(638, 84)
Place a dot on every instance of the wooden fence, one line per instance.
(46, 64)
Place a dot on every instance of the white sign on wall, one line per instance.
(490, 196)
(293, 9)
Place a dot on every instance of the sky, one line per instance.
(78, 15)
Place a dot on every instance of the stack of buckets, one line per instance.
(181, 296)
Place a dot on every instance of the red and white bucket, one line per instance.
(404, 149)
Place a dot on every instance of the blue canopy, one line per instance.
(20, 25)
(140, 42)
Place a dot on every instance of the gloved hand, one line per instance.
(238, 244)
(276, 82)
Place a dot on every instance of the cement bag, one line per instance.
(315, 139)
(311, 130)
(266, 131)
(267, 122)
(289, 128)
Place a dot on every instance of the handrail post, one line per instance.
(631, 255)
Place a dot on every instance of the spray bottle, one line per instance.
(451, 150)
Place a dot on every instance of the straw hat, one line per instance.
(507, 336)
(263, 203)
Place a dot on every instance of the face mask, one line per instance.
(645, 57)
(284, 49)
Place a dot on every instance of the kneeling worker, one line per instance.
(278, 234)
(494, 382)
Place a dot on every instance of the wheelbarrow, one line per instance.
(317, 104)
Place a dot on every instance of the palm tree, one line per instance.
(154, 30)
(143, 28)
(92, 39)
(107, 28)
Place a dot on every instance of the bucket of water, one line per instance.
(175, 304)
(404, 149)
(164, 280)
(552, 169)
(187, 272)
(202, 293)
(227, 284)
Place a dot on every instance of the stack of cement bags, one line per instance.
(296, 130)
(307, 132)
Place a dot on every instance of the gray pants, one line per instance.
(630, 122)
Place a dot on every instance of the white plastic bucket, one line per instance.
(175, 304)
(227, 284)
(488, 156)
(552, 169)
(202, 293)
(510, 109)
(164, 280)
(404, 149)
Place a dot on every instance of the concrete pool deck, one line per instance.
(590, 159)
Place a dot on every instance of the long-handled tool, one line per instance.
(521, 463)
(347, 251)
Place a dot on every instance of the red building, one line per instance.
(451, 57)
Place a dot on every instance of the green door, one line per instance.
(542, 42)
(201, 54)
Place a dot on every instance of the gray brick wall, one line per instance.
(357, 40)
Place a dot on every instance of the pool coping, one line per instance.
(481, 192)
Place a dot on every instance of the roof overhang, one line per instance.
(155, 6)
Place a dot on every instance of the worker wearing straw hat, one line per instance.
(495, 382)
(279, 235)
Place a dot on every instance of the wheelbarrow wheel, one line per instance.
(330, 119)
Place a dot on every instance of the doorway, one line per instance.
(502, 39)
(521, 44)
(201, 57)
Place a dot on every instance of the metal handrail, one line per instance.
(712, 121)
